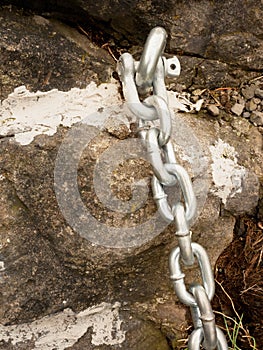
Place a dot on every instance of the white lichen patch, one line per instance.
(25, 114)
(64, 329)
(182, 102)
(228, 175)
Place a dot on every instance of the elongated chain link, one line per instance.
(140, 78)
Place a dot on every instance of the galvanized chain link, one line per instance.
(141, 78)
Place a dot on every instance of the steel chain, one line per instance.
(140, 78)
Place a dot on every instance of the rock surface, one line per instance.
(44, 55)
(220, 44)
(46, 266)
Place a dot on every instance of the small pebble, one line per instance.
(259, 93)
(213, 110)
(237, 109)
(257, 118)
(246, 115)
(256, 100)
(251, 106)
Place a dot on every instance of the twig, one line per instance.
(255, 79)
(225, 88)
(107, 45)
(217, 101)
(83, 31)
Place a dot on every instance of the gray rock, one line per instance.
(237, 109)
(69, 60)
(257, 118)
(232, 47)
(249, 91)
(259, 93)
(213, 110)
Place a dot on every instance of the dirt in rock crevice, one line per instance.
(240, 283)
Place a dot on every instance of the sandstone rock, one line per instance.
(119, 128)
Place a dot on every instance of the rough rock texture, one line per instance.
(46, 267)
(44, 55)
(49, 267)
(220, 43)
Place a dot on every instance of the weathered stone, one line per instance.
(242, 201)
(46, 266)
(119, 128)
(200, 73)
(85, 330)
(237, 109)
(257, 118)
(213, 110)
(63, 64)
(43, 256)
(216, 34)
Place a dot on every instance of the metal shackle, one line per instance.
(152, 52)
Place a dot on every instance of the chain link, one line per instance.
(142, 78)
